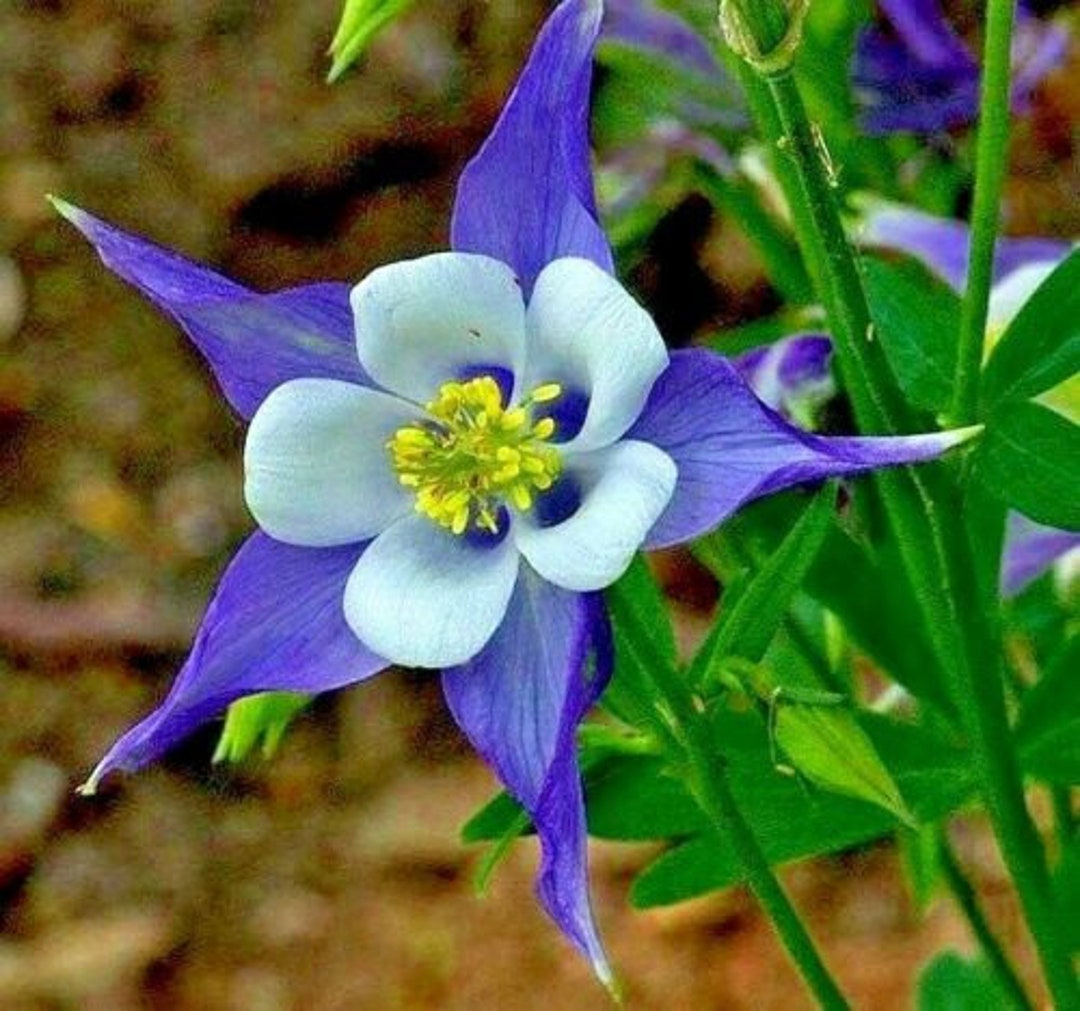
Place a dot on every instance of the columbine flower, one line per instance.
(450, 460)
(923, 78)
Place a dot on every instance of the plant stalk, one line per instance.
(964, 894)
(934, 546)
(991, 165)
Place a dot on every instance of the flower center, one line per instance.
(472, 454)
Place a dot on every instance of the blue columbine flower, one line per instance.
(921, 77)
(451, 459)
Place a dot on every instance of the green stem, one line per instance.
(964, 894)
(713, 794)
(923, 512)
(684, 727)
(991, 164)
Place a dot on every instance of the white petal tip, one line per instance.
(958, 436)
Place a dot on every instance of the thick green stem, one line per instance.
(923, 513)
(964, 894)
(991, 164)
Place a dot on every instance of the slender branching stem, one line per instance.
(991, 165)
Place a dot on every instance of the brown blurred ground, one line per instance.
(332, 878)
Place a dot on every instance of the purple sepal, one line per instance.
(942, 243)
(1030, 550)
(526, 198)
(730, 448)
(274, 624)
(252, 342)
(520, 703)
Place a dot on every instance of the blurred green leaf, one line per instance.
(1048, 729)
(917, 319)
(1041, 347)
(952, 983)
(361, 21)
(1030, 459)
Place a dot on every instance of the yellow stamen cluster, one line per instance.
(471, 454)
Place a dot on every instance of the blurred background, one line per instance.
(332, 877)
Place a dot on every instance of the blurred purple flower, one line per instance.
(474, 533)
(1030, 550)
(792, 375)
(921, 77)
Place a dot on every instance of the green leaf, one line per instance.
(747, 626)
(1067, 890)
(790, 821)
(917, 319)
(1048, 730)
(361, 21)
(1041, 347)
(826, 744)
(952, 983)
(1030, 460)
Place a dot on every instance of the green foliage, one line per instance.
(952, 983)
(917, 319)
(790, 821)
(361, 21)
(1048, 730)
(1030, 460)
(747, 625)
(1041, 347)
(828, 747)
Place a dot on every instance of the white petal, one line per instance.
(625, 488)
(422, 597)
(316, 468)
(421, 323)
(586, 332)
(1008, 296)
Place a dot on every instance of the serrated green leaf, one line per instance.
(1048, 730)
(917, 319)
(1041, 347)
(1030, 460)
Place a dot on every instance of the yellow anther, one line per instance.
(470, 455)
(544, 428)
(544, 394)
